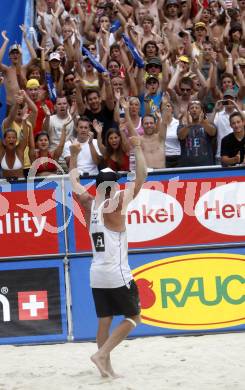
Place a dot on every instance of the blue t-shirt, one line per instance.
(154, 102)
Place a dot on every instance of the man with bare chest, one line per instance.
(153, 141)
(14, 74)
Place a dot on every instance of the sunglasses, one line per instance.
(185, 89)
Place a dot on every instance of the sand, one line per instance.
(210, 362)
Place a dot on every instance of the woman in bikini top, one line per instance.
(12, 156)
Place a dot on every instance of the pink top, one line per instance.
(138, 128)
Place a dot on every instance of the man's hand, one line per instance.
(46, 110)
(237, 158)
(117, 95)
(167, 113)
(201, 117)
(75, 148)
(135, 141)
(124, 103)
(97, 126)
(106, 77)
(73, 109)
(90, 137)
(25, 116)
(218, 106)
(189, 119)
(20, 97)
(23, 29)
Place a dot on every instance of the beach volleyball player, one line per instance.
(114, 290)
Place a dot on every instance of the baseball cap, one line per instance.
(152, 77)
(230, 92)
(106, 175)
(32, 83)
(15, 47)
(184, 59)
(54, 56)
(154, 61)
(200, 24)
(168, 2)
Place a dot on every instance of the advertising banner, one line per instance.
(31, 219)
(181, 293)
(191, 209)
(32, 302)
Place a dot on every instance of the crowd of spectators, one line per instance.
(100, 71)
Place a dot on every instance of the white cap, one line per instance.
(54, 56)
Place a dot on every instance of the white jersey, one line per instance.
(109, 268)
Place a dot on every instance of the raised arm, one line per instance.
(95, 156)
(30, 48)
(98, 128)
(3, 68)
(46, 122)
(32, 106)
(109, 93)
(163, 120)
(58, 151)
(31, 146)
(140, 171)
(24, 140)
(12, 113)
(84, 197)
(130, 126)
(89, 33)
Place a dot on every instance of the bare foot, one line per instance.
(100, 363)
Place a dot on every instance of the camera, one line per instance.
(225, 102)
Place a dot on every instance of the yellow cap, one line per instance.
(184, 59)
(32, 83)
(200, 24)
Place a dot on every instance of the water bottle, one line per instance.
(132, 162)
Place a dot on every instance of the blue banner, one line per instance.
(116, 24)
(51, 87)
(134, 52)
(12, 15)
(97, 65)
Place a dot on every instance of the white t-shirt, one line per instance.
(85, 162)
(222, 122)
(55, 130)
(172, 145)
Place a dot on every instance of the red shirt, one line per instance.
(41, 115)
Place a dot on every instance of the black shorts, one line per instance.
(117, 301)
